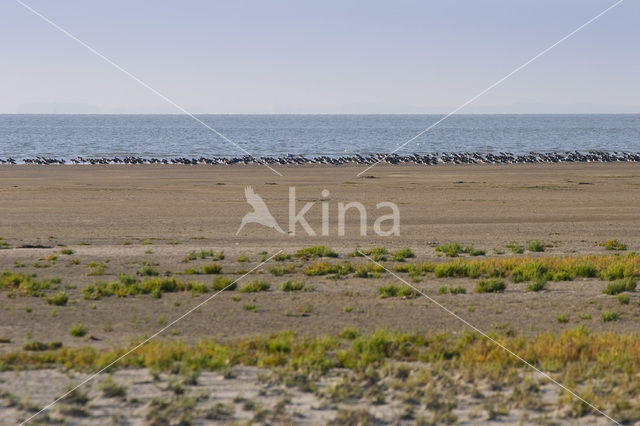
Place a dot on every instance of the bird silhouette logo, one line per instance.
(260, 214)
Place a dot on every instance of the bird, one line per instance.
(260, 213)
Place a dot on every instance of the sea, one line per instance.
(170, 136)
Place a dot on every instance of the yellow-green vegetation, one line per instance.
(255, 286)
(601, 366)
(393, 290)
(243, 258)
(314, 252)
(455, 249)
(376, 253)
(368, 270)
(41, 346)
(222, 283)
(128, 287)
(279, 270)
(450, 249)
(95, 268)
(623, 299)
(292, 286)
(58, 299)
(614, 245)
(250, 307)
(402, 254)
(322, 267)
(3, 244)
(515, 247)
(537, 284)
(562, 318)
(620, 286)
(203, 254)
(519, 269)
(490, 285)
(147, 242)
(535, 246)
(111, 389)
(77, 330)
(67, 251)
(282, 256)
(451, 290)
(19, 284)
(147, 271)
(212, 269)
(415, 270)
(610, 316)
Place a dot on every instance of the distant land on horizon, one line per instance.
(355, 109)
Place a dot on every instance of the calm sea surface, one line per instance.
(162, 136)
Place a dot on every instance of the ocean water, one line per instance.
(165, 136)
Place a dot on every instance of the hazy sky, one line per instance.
(319, 57)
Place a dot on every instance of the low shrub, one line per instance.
(393, 290)
(220, 283)
(77, 330)
(402, 254)
(615, 245)
(292, 286)
(610, 316)
(212, 269)
(58, 299)
(490, 285)
(255, 286)
(537, 284)
(322, 267)
(535, 246)
(619, 286)
(317, 251)
(450, 249)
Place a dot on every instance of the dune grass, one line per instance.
(315, 252)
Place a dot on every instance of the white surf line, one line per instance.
(485, 335)
(130, 351)
(142, 83)
(493, 85)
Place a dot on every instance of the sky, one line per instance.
(326, 57)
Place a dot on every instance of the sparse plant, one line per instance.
(147, 271)
(96, 268)
(623, 298)
(58, 299)
(255, 286)
(250, 307)
(537, 284)
(608, 316)
(211, 269)
(450, 249)
(292, 286)
(317, 251)
(515, 247)
(67, 251)
(111, 389)
(393, 290)
(535, 246)
(614, 245)
(402, 254)
(490, 285)
(282, 256)
(78, 330)
(620, 286)
(220, 283)
(243, 258)
(562, 318)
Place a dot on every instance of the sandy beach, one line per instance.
(71, 227)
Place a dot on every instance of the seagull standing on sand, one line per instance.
(260, 213)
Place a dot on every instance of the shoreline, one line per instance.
(428, 159)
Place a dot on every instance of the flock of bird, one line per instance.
(426, 159)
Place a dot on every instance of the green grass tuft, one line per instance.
(317, 251)
(490, 285)
(619, 286)
(255, 286)
(615, 245)
(535, 246)
(292, 286)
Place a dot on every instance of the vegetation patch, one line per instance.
(221, 283)
(376, 253)
(619, 286)
(393, 290)
(58, 299)
(255, 286)
(322, 267)
(614, 245)
(535, 246)
(315, 252)
(292, 286)
(490, 285)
